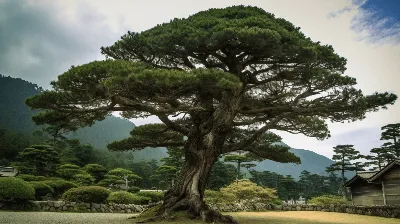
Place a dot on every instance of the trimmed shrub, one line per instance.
(59, 186)
(29, 177)
(123, 197)
(41, 189)
(15, 189)
(327, 200)
(211, 196)
(68, 171)
(134, 190)
(155, 196)
(87, 194)
(246, 190)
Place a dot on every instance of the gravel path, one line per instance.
(63, 218)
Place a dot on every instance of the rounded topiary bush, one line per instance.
(41, 189)
(29, 177)
(155, 196)
(87, 194)
(15, 189)
(133, 190)
(123, 197)
(59, 186)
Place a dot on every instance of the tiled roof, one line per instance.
(366, 175)
(371, 176)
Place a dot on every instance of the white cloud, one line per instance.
(375, 66)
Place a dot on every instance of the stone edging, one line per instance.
(388, 211)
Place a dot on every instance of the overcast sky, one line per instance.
(41, 39)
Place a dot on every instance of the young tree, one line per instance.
(391, 133)
(147, 170)
(95, 170)
(238, 159)
(207, 77)
(166, 175)
(124, 174)
(344, 156)
(68, 171)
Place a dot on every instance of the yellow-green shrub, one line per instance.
(246, 190)
(211, 196)
(327, 200)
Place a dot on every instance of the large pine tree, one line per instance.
(222, 78)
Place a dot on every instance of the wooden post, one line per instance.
(383, 192)
(351, 196)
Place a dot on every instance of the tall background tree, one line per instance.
(391, 133)
(222, 78)
(344, 157)
(239, 159)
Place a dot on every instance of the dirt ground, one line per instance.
(273, 217)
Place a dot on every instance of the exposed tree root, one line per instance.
(194, 210)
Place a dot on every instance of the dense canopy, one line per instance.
(222, 78)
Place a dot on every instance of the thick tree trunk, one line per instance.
(188, 191)
(203, 146)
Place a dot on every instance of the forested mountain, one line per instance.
(311, 162)
(15, 116)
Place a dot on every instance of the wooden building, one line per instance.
(8, 172)
(376, 187)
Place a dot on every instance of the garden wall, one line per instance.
(388, 211)
(59, 206)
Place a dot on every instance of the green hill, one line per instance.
(16, 116)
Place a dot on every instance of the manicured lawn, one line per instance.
(284, 217)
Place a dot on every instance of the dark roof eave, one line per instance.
(382, 171)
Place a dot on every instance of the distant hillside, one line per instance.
(311, 161)
(14, 114)
(104, 132)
